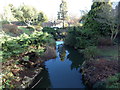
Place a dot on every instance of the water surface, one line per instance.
(64, 70)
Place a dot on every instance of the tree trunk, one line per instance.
(115, 35)
(63, 24)
(112, 33)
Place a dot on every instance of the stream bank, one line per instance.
(48, 54)
(22, 73)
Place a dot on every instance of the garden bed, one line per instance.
(99, 70)
(104, 66)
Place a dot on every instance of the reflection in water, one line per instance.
(62, 52)
(75, 57)
(62, 72)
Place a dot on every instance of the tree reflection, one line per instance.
(62, 52)
(75, 57)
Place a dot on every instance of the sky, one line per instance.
(51, 7)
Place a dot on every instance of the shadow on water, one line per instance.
(44, 82)
(75, 57)
(64, 71)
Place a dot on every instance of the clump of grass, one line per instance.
(26, 30)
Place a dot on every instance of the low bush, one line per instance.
(78, 37)
(73, 37)
(51, 31)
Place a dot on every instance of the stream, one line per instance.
(63, 71)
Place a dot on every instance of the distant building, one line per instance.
(52, 24)
(47, 24)
(57, 24)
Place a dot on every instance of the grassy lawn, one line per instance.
(26, 30)
(109, 52)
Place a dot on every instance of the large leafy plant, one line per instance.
(36, 42)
